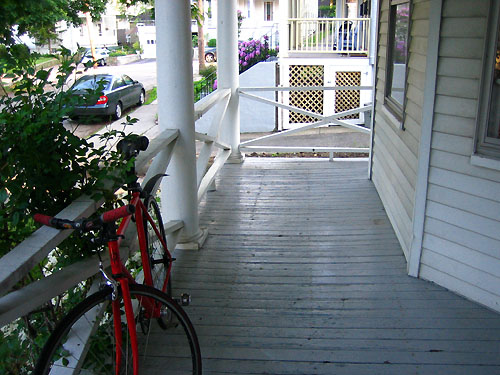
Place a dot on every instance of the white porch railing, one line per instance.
(15, 265)
(205, 172)
(249, 146)
(329, 35)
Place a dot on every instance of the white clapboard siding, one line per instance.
(461, 245)
(395, 151)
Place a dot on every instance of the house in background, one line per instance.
(326, 44)
(436, 139)
(259, 17)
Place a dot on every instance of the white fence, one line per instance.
(249, 146)
(329, 35)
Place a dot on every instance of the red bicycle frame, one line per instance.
(123, 277)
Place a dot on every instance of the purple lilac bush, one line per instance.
(252, 52)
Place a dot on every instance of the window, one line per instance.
(397, 56)
(268, 11)
(248, 8)
(118, 83)
(99, 28)
(209, 9)
(127, 80)
(488, 137)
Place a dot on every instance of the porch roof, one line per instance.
(302, 273)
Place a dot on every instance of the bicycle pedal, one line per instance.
(185, 299)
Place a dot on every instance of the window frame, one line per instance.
(271, 14)
(395, 108)
(483, 145)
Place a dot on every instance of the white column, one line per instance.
(339, 9)
(284, 15)
(176, 111)
(228, 73)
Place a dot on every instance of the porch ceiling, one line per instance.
(303, 274)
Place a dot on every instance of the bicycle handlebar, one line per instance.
(85, 224)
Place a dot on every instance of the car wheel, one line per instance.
(142, 98)
(118, 111)
(209, 57)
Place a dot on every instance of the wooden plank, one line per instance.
(484, 188)
(334, 299)
(481, 295)
(292, 149)
(462, 236)
(205, 104)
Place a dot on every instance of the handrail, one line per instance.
(204, 105)
(249, 146)
(20, 260)
(329, 35)
(205, 173)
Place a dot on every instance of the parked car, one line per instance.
(210, 54)
(101, 56)
(106, 95)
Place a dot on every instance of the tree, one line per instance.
(32, 16)
(201, 37)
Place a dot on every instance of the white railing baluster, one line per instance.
(314, 34)
(213, 134)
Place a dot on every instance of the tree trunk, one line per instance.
(201, 38)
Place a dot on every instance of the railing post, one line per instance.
(228, 73)
(176, 111)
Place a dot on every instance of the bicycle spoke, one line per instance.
(85, 344)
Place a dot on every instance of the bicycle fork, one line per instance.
(117, 271)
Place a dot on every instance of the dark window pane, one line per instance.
(493, 129)
(400, 18)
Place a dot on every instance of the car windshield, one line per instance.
(92, 83)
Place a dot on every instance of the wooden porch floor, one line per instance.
(302, 274)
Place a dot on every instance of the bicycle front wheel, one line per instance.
(84, 342)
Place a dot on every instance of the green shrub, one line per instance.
(137, 47)
(212, 43)
(44, 167)
(118, 53)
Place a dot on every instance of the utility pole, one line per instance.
(91, 40)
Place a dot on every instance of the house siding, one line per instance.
(461, 244)
(395, 151)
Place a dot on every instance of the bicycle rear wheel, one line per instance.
(158, 261)
(84, 341)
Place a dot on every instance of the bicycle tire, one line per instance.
(158, 261)
(177, 353)
(157, 258)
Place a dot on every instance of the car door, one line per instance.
(133, 91)
(119, 92)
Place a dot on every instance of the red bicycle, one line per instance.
(112, 330)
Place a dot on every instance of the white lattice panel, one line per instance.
(306, 75)
(347, 99)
